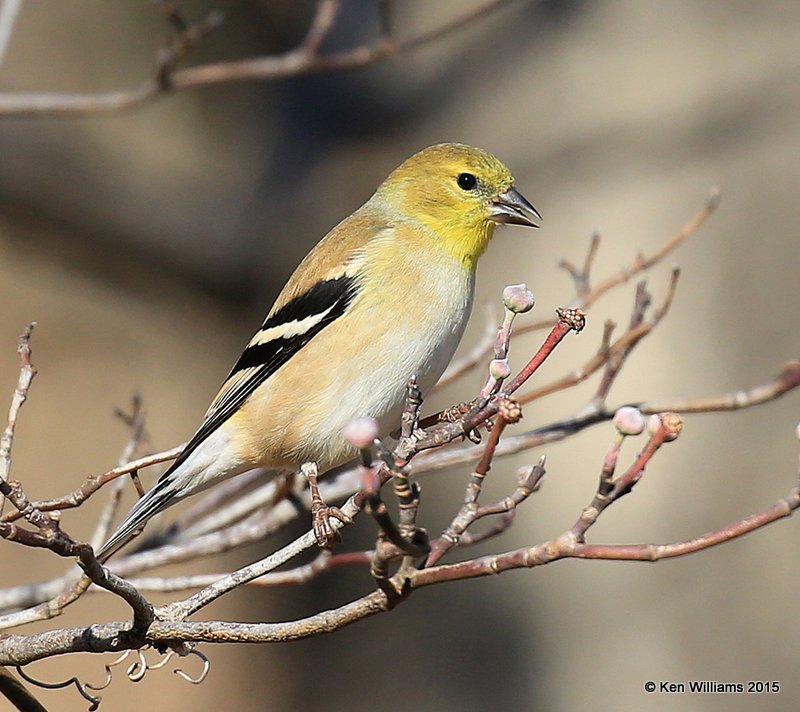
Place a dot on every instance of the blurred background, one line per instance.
(148, 245)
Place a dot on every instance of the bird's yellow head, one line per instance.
(459, 193)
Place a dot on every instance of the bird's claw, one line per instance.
(419, 434)
(324, 531)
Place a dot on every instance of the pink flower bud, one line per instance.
(629, 421)
(518, 298)
(360, 432)
(499, 369)
(672, 423)
(653, 423)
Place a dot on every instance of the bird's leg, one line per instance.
(410, 428)
(321, 513)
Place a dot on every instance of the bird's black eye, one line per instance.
(466, 181)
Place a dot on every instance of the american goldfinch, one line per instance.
(383, 297)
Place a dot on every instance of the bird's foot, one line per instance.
(322, 516)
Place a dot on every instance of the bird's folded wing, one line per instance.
(282, 335)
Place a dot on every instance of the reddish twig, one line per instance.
(668, 427)
(655, 552)
(615, 354)
(530, 480)
(445, 432)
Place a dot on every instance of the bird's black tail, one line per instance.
(153, 502)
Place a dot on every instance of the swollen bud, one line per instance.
(499, 369)
(518, 298)
(360, 432)
(629, 420)
(653, 423)
(672, 423)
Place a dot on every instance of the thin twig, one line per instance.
(181, 609)
(787, 380)
(94, 482)
(27, 372)
(640, 263)
(24, 649)
(466, 515)
(296, 62)
(51, 536)
(582, 277)
(615, 354)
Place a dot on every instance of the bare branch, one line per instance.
(182, 609)
(509, 411)
(655, 552)
(9, 11)
(641, 262)
(95, 482)
(27, 372)
(787, 380)
(21, 650)
(581, 277)
(304, 59)
(611, 356)
(253, 510)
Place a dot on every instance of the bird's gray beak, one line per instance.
(513, 208)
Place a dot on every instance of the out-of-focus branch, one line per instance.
(14, 691)
(135, 420)
(612, 356)
(643, 262)
(787, 380)
(586, 297)
(9, 11)
(306, 58)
